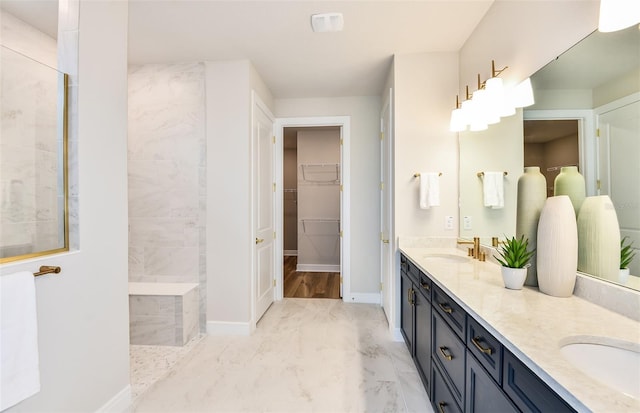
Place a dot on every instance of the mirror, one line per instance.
(593, 86)
(33, 143)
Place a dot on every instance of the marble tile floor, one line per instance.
(306, 355)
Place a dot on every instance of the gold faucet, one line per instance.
(475, 251)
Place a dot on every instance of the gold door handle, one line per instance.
(385, 241)
(259, 240)
(485, 350)
(446, 353)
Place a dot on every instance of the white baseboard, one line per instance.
(397, 335)
(317, 268)
(120, 403)
(290, 253)
(363, 298)
(230, 328)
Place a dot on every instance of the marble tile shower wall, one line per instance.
(167, 172)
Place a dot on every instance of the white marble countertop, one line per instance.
(534, 326)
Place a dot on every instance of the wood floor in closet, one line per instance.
(309, 284)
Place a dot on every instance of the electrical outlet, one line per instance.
(448, 222)
(466, 222)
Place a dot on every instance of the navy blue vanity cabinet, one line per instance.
(526, 389)
(442, 398)
(422, 338)
(482, 393)
(449, 354)
(407, 302)
(450, 311)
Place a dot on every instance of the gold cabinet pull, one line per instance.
(441, 407)
(476, 342)
(445, 308)
(425, 286)
(410, 296)
(259, 240)
(445, 353)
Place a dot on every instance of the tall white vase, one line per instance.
(599, 238)
(532, 192)
(571, 183)
(557, 247)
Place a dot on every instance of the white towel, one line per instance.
(493, 189)
(20, 372)
(429, 189)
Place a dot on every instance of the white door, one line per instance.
(619, 170)
(386, 250)
(263, 212)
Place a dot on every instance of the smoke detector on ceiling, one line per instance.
(327, 22)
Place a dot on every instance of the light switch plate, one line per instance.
(466, 222)
(448, 222)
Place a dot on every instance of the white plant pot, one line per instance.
(514, 277)
(624, 276)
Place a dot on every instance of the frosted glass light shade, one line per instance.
(498, 97)
(458, 123)
(557, 249)
(522, 94)
(618, 14)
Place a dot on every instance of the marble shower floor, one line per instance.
(305, 356)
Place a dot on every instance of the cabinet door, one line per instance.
(527, 390)
(406, 313)
(423, 338)
(443, 401)
(482, 393)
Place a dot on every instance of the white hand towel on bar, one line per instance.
(20, 376)
(429, 189)
(493, 189)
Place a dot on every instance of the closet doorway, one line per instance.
(315, 225)
(311, 212)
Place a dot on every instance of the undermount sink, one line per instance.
(451, 258)
(613, 365)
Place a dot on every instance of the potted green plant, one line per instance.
(514, 258)
(626, 256)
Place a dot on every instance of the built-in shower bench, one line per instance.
(162, 313)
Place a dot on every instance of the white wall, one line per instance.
(524, 35)
(229, 232)
(425, 88)
(83, 311)
(365, 173)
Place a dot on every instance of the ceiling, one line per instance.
(276, 37)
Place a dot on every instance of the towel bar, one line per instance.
(47, 269)
(417, 174)
(481, 174)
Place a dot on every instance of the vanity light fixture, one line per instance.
(618, 14)
(490, 102)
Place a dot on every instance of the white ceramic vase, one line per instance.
(571, 183)
(599, 238)
(557, 258)
(532, 192)
(513, 278)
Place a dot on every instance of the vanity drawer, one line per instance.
(450, 353)
(527, 390)
(413, 271)
(443, 401)
(425, 285)
(404, 264)
(482, 393)
(450, 311)
(486, 348)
